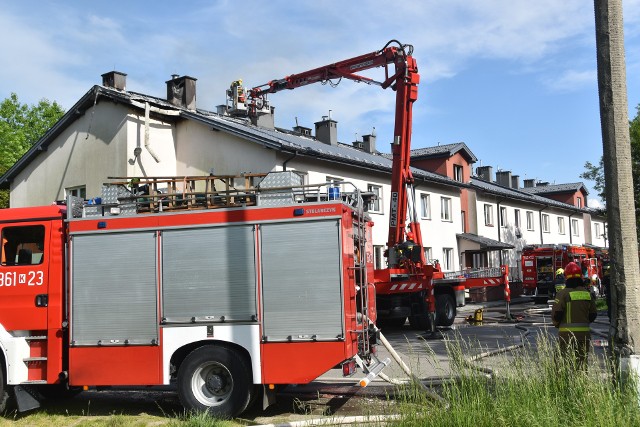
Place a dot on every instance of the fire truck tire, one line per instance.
(445, 310)
(216, 380)
(4, 396)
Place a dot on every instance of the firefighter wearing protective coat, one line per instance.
(573, 310)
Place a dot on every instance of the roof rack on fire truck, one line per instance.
(144, 195)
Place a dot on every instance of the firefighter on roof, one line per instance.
(573, 310)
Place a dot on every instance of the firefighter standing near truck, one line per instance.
(573, 310)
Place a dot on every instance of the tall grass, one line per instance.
(533, 386)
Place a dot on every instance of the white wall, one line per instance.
(88, 151)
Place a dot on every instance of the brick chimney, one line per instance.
(327, 131)
(181, 91)
(115, 80)
(529, 183)
(515, 181)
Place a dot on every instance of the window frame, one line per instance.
(458, 173)
(425, 208)
(376, 206)
(446, 213)
(531, 222)
(447, 259)
(545, 223)
(503, 216)
(488, 215)
(561, 227)
(575, 230)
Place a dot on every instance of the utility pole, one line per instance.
(623, 246)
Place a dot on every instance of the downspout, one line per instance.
(284, 164)
(540, 220)
(146, 133)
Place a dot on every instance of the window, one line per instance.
(463, 218)
(428, 254)
(545, 223)
(516, 213)
(375, 205)
(447, 259)
(574, 227)
(80, 191)
(560, 225)
(503, 217)
(425, 206)
(445, 209)
(457, 173)
(22, 245)
(598, 232)
(488, 215)
(378, 256)
(579, 202)
(530, 221)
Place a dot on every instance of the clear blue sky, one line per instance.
(514, 79)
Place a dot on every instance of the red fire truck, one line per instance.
(540, 263)
(225, 303)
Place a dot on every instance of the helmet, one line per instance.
(559, 271)
(572, 271)
(410, 235)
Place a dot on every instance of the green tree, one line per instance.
(595, 173)
(21, 125)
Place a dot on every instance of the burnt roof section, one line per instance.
(240, 127)
(446, 150)
(556, 188)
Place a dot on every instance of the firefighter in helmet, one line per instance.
(573, 310)
(559, 281)
(407, 247)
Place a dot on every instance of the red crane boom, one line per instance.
(404, 81)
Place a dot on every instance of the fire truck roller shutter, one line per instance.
(114, 289)
(209, 274)
(302, 289)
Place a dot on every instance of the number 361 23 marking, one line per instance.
(30, 278)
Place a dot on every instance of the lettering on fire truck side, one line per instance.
(393, 218)
(30, 278)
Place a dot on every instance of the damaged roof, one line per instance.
(240, 127)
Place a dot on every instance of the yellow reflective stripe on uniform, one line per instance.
(568, 314)
(574, 329)
(580, 296)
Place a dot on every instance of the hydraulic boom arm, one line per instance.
(404, 79)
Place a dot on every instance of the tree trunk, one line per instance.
(623, 245)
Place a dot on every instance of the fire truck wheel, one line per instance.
(4, 396)
(445, 310)
(216, 380)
